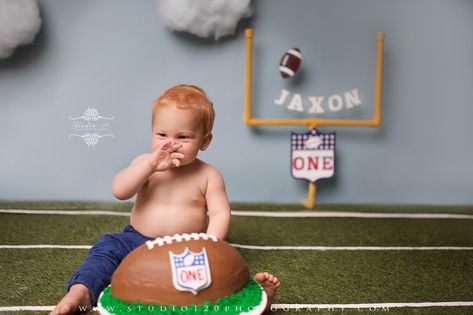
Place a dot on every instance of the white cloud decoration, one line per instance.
(19, 24)
(204, 18)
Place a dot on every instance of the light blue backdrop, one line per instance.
(117, 57)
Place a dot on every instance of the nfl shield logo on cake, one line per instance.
(190, 271)
(312, 155)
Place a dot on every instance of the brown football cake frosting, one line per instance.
(146, 275)
(183, 274)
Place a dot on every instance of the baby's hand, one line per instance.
(166, 157)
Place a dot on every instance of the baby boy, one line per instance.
(175, 193)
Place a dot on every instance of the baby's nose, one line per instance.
(176, 142)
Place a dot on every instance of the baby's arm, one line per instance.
(129, 180)
(217, 205)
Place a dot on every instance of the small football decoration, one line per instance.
(290, 63)
(183, 274)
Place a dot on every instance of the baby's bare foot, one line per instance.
(76, 300)
(270, 285)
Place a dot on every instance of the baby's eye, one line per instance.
(162, 135)
(184, 137)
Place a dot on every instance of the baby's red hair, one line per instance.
(186, 96)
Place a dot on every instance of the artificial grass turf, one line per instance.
(350, 232)
(379, 311)
(54, 229)
(36, 277)
(367, 277)
(65, 205)
(127, 205)
(39, 276)
(85, 230)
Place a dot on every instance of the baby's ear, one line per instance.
(206, 141)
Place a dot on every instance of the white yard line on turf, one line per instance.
(42, 246)
(257, 247)
(352, 248)
(343, 214)
(272, 214)
(371, 306)
(25, 308)
(66, 212)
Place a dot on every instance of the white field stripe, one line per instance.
(372, 306)
(352, 248)
(342, 214)
(25, 308)
(272, 214)
(30, 308)
(294, 306)
(66, 212)
(257, 247)
(45, 246)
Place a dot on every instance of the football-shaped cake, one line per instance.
(290, 62)
(186, 272)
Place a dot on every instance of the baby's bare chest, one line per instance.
(175, 190)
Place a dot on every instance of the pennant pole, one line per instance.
(312, 189)
(310, 201)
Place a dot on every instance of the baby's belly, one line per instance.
(154, 222)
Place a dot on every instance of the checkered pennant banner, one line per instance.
(313, 140)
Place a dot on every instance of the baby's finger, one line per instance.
(176, 162)
(166, 146)
(177, 155)
(161, 147)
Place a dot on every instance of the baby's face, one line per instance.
(179, 126)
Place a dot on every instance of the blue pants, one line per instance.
(104, 257)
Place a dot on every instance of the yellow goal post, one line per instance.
(311, 123)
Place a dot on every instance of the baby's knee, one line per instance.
(110, 245)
